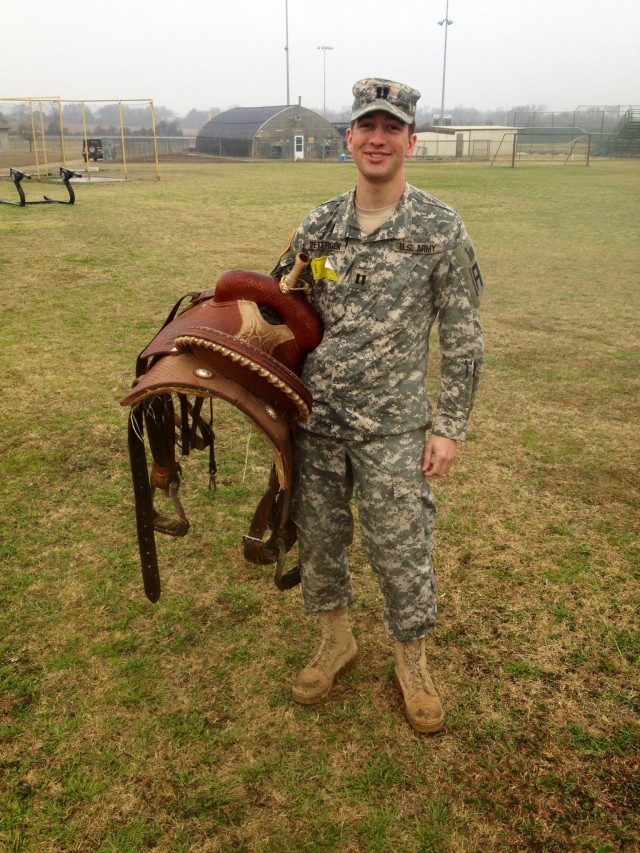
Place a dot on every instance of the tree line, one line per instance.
(105, 120)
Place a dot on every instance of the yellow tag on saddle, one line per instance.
(323, 268)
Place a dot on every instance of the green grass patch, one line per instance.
(127, 726)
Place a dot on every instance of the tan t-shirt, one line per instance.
(370, 219)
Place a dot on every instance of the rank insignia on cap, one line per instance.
(373, 94)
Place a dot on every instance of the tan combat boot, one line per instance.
(338, 653)
(422, 705)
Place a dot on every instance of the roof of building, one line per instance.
(450, 129)
(527, 134)
(241, 122)
(246, 122)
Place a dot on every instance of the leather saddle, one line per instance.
(244, 341)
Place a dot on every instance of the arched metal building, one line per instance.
(280, 133)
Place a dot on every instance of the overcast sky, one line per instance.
(559, 54)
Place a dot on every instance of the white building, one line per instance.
(477, 142)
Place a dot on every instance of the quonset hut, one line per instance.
(267, 133)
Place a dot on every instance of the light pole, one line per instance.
(286, 46)
(324, 48)
(446, 23)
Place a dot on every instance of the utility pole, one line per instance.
(324, 48)
(286, 46)
(446, 23)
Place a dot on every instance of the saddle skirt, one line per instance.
(244, 342)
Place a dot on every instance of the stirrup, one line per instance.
(171, 526)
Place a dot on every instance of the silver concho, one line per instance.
(202, 373)
(271, 412)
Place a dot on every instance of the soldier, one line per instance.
(387, 260)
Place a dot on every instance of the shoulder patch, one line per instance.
(286, 259)
(287, 246)
(465, 255)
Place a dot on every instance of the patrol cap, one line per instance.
(373, 94)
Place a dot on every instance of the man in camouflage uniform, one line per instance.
(387, 260)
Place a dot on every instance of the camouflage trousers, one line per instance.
(396, 513)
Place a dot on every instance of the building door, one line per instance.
(298, 147)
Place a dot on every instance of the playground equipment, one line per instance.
(44, 133)
(17, 177)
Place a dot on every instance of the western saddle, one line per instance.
(244, 341)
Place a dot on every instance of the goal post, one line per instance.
(543, 145)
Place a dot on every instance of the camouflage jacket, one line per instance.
(378, 296)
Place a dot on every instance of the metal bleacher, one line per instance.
(625, 138)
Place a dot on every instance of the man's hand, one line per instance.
(438, 455)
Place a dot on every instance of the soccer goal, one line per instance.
(560, 145)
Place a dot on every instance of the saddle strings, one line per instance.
(246, 453)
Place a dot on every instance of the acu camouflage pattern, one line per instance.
(378, 297)
(368, 375)
(396, 516)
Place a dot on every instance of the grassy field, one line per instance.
(127, 726)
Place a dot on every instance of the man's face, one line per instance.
(379, 144)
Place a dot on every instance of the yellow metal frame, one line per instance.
(56, 99)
